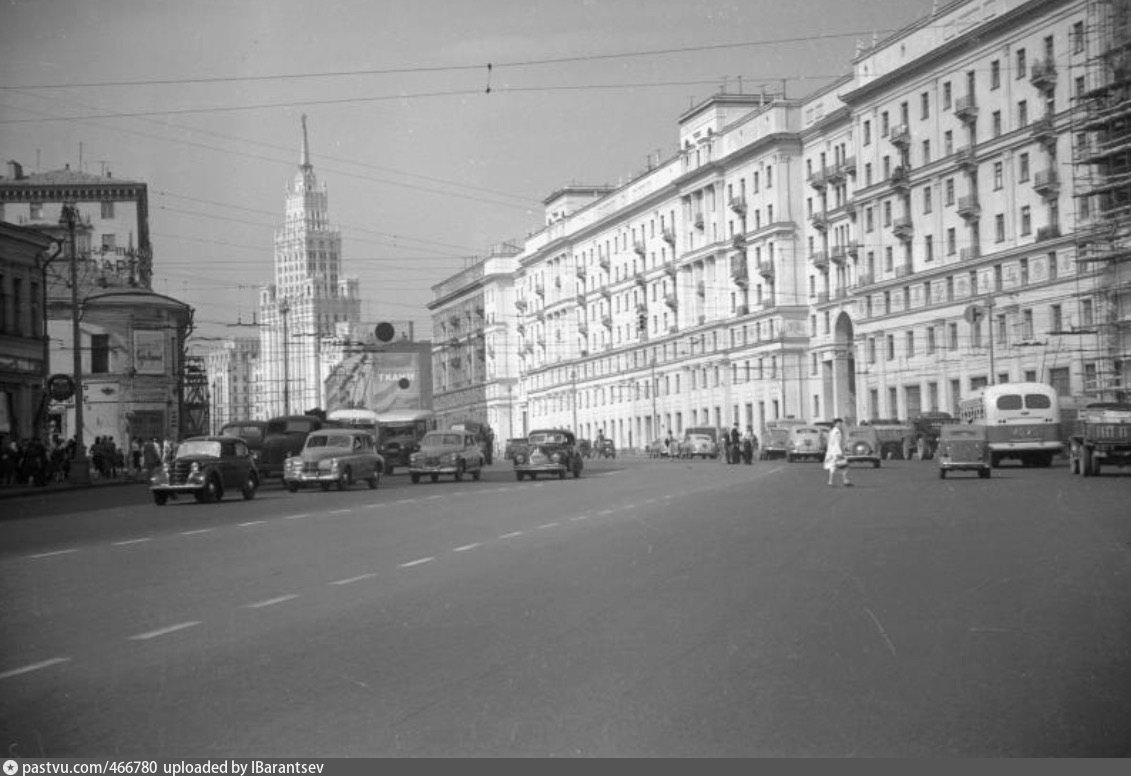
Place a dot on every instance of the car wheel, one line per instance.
(875, 464)
(984, 474)
(374, 481)
(250, 487)
(324, 485)
(434, 477)
(475, 474)
(414, 477)
(518, 476)
(160, 498)
(346, 480)
(292, 487)
(213, 490)
(459, 472)
(561, 474)
(942, 474)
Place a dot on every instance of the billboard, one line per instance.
(378, 381)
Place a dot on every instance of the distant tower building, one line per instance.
(307, 300)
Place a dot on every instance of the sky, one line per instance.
(437, 126)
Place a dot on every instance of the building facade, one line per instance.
(307, 301)
(230, 367)
(951, 212)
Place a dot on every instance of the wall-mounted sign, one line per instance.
(149, 352)
(60, 387)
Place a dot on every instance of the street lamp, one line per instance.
(284, 310)
(573, 386)
(80, 466)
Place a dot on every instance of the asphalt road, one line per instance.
(651, 608)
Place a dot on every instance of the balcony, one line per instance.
(900, 179)
(520, 304)
(701, 289)
(848, 165)
(966, 159)
(540, 290)
(822, 297)
(604, 263)
(968, 254)
(742, 310)
(697, 219)
(766, 270)
(1043, 131)
(738, 205)
(638, 246)
(558, 282)
(520, 328)
(607, 321)
(902, 228)
(669, 236)
(966, 109)
(673, 329)
(820, 260)
(738, 274)
(850, 207)
(904, 269)
(606, 293)
(820, 221)
(1048, 233)
(581, 300)
(672, 301)
(670, 270)
(865, 279)
(738, 241)
(1042, 75)
(818, 179)
(1046, 183)
(640, 280)
(969, 208)
(900, 136)
(835, 174)
(839, 254)
(580, 271)
(583, 329)
(541, 316)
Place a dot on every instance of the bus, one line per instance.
(1022, 421)
(399, 433)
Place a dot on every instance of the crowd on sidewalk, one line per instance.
(30, 461)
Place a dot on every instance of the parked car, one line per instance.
(584, 446)
(548, 451)
(251, 431)
(513, 446)
(699, 444)
(335, 456)
(658, 448)
(862, 445)
(452, 452)
(963, 447)
(206, 467)
(775, 442)
(604, 448)
(806, 443)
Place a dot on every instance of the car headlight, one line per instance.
(519, 458)
(556, 457)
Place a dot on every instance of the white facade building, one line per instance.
(306, 302)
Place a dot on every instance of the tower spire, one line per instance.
(305, 144)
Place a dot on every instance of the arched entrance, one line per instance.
(844, 368)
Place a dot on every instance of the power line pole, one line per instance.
(80, 466)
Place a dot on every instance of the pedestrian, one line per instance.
(135, 456)
(735, 448)
(835, 459)
(151, 456)
(748, 446)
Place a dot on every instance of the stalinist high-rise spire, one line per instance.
(305, 145)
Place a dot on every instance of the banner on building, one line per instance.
(149, 352)
(376, 381)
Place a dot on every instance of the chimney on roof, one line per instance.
(15, 170)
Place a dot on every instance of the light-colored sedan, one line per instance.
(451, 453)
(701, 446)
(334, 456)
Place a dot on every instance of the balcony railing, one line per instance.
(820, 260)
(1042, 74)
(820, 220)
(672, 301)
(607, 321)
(670, 270)
(904, 269)
(902, 228)
(822, 297)
(697, 219)
(738, 205)
(604, 263)
(640, 280)
(900, 180)
(701, 288)
(969, 253)
(839, 254)
(1048, 233)
(969, 208)
(581, 300)
(1046, 183)
(540, 289)
(966, 108)
(738, 241)
(818, 179)
(900, 136)
(638, 246)
(669, 236)
(766, 270)
(966, 159)
(581, 271)
(1043, 130)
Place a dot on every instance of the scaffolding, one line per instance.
(1102, 171)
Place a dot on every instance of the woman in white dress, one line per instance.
(834, 453)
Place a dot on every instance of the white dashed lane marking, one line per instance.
(197, 531)
(578, 518)
(251, 522)
(164, 631)
(351, 580)
(53, 553)
(33, 667)
(272, 601)
(131, 541)
(548, 525)
(467, 547)
(511, 535)
(297, 517)
(339, 511)
(416, 562)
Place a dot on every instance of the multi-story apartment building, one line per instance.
(230, 367)
(473, 321)
(951, 212)
(307, 301)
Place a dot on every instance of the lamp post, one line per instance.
(655, 423)
(284, 310)
(80, 466)
(573, 386)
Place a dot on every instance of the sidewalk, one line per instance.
(15, 491)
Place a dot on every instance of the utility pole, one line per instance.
(655, 418)
(573, 386)
(80, 466)
(284, 310)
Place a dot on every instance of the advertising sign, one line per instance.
(376, 381)
(149, 352)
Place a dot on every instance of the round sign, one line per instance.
(385, 331)
(60, 387)
(973, 314)
(403, 383)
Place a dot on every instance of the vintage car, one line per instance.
(699, 445)
(251, 431)
(862, 445)
(548, 451)
(334, 456)
(513, 446)
(206, 467)
(963, 446)
(806, 443)
(604, 448)
(284, 437)
(452, 452)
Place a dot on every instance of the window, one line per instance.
(107, 210)
(1027, 324)
(867, 132)
(888, 263)
(868, 222)
(885, 125)
(995, 121)
(1021, 64)
(1023, 167)
(99, 353)
(952, 336)
(924, 106)
(1087, 315)
(1022, 114)
(35, 211)
(1026, 220)
(1052, 270)
(1023, 272)
(1056, 316)
(928, 248)
(999, 227)
(948, 142)
(946, 95)
(926, 152)
(995, 74)
(1077, 37)
(109, 242)
(868, 174)
(890, 347)
(930, 339)
(949, 188)
(998, 277)
(998, 175)
(926, 199)
(910, 343)
(887, 213)
(887, 167)
(951, 241)
(1079, 89)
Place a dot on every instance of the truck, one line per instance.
(1101, 436)
(897, 437)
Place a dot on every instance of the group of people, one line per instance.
(739, 447)
(32, 462)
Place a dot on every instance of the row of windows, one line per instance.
(21, 306)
